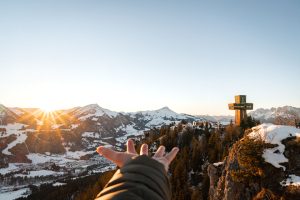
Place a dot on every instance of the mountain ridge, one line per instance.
(285, 115)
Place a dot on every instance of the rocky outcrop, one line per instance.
(223, 185)
(246, 174)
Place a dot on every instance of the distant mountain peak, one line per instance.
(285, 115)
(93, 110)
(6, 114)
(91, 106)
(165, 108)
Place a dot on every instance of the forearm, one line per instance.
(141, 178)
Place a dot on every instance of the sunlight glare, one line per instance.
(47, 108)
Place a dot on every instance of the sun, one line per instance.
(47, 108)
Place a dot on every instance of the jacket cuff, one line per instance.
(147, 161)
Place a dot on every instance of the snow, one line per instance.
(274, 158)
(130, 131)
(37, 158)
(11, 167)
(40, 173)
(77, 154)
(163, 116)
(106, 138)
(39, 122)
(56, 126)
(12, 129)
(104, 169)
(218, 164)
(58, 184)
(274, 134)
(20, 139)
(69, 156)
(158, 122)
(160, 113)
(14, 194)
(73, 126)
(291, 180)
(225, 123)
(86, 117)
(90, 135)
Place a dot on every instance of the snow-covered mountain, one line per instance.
(154, 117)
(63, 142)
(73, 133)
(92, 110)
(285, 115)
(142, 120)
(224, 119)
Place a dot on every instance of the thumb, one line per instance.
(107, 153)
(119, 158)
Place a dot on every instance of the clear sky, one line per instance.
(192, 56)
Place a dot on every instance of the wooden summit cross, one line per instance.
(240, 106)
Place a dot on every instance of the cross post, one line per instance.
(240, 106)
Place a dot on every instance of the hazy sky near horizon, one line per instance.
(192, 56)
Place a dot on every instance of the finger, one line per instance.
(160, 151)
(119, 158)
(144, 150)
(108, 153)
(130, 147)
(171, 155)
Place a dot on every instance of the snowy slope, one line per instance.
(11, 195)
(13, 129)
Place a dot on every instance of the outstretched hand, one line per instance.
(121, 158)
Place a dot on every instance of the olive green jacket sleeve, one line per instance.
(141, 178)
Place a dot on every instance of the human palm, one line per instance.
(121, 158)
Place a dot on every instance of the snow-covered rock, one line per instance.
(274, 134)
(266, 157)
(291, 180)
